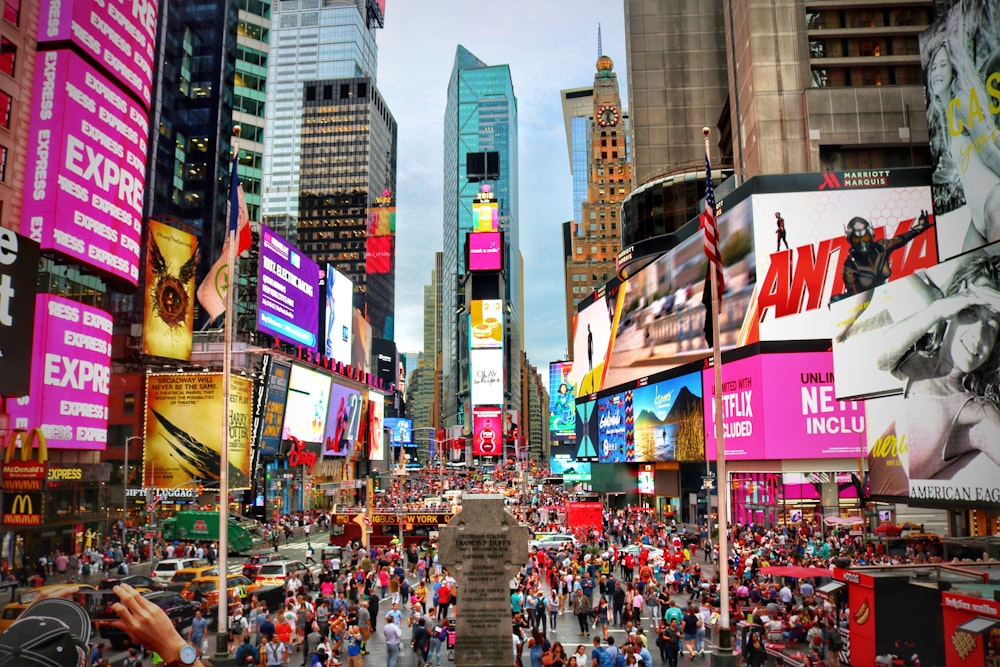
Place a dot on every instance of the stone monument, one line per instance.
(483, 546)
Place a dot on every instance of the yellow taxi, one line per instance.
(12, 611)
(182, 577)
(208, 587)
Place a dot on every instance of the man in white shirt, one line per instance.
(392, 634)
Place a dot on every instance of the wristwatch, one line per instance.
(188, 656)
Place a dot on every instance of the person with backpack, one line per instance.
(247, 654)
(541, 609)
(238, 629)
(439, 637)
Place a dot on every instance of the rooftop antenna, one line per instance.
(600, 51)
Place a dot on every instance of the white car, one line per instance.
(554, 542)
(167, 568)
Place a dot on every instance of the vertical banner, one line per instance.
(487, 439)
(168, 314)
(486, 324)
(376, 442)
(182, 435)
(19, 276)
(274, 407)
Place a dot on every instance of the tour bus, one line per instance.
(418, 528)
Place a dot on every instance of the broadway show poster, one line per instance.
(959, 54)
(184, 428)
(818, 247)
(615, 419)
(171, 262)
(669, 420)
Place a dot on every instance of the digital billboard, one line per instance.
(668, 420)
(119, 34)
(339, 316)
(183, 429)
(570, 469)
(274, 407)
(592, 337)
(19, 281)
(487, 432)
(485, 216)
(376, 437)
(615, 417)
(361, 346)
(343, 421)
(562, 401)
(800, 418)
(486, 324)
(485, 251)
(378, 254)
(87, 160)
(486, 377)
(646, 482)
(306, 408)
(70, 375)
(400, 431)
(958, 54)
(287, 305)
(168, 313)
(587, 430)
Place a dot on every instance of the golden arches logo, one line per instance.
(27, 438)
(22, 504)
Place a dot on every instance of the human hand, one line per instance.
(146, 624)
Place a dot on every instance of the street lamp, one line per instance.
(128, 442)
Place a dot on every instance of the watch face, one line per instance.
(188, 655)
(607, 115)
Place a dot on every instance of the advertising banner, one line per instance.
(592, 338)
(562, 402)
(119, 34)
(486, 377)
(669, 420)
(616, 415)
(87, 158)
(361, 345)
(168, 314)
(288, 305)
(587, 515)
(378, 254)
(400, 431)
(306, 408)
(571, 469)
(487, 434)
(19, 280)
(486, 324)
(958, 54)
(376, 437)
(274, 407)
(587, 430)
(646, 481)
(485, 216)
(343, 420)
(339, 315)
(386, 361)
(382, 221)
(70, 376)
(183, 430)
(485, 251)
(833, 244)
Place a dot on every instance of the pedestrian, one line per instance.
(754, 654)
(582, 610)
(392, 635)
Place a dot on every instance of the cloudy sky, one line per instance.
(550, 45)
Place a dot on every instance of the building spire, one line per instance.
(600, 51)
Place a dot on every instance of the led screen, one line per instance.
(592, 339)
(487, 437)
(668, 420)
(486, 216)
(562, 401)
(288, 305)
(306, 409)
(400, 431)
(343, 420)
(486, 376)
(376, 441)
(274, 408)
(339, 316)
(486, 324)
(646, 483)
(485, 251)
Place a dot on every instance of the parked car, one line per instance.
(179, 610)
(255, 562)
(277, 572)
(167, 568)
(554, 542)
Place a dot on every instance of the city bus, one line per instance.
(418, 527)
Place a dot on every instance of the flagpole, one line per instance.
(725, 643)
(222, 630)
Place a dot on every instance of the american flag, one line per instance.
(711, 227)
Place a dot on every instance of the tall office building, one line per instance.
(424, 387)
(480, 115)
(249, 96)
(311, 40)
(590, 249)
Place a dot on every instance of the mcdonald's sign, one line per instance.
(19, 509)
(24, 475)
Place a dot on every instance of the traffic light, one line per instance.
(376, 480)
(201, 489)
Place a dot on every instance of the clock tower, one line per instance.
(595, 239)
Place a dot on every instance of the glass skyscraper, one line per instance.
(481, 115)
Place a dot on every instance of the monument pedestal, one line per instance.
(723, 655)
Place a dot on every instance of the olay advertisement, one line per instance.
(801, 418)
(87, 160)
(288, 305)
(119, 34)
(274, 407)
(486, 377)
(70, 375)
(562, 402)
(487, 434)
(485, 251)
(343, 420)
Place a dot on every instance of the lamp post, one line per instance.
(128, 443)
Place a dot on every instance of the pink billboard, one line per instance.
(70, 375)
(487, 431)
(119, 34)
(797, 418)
(485, 251)
(86, 167)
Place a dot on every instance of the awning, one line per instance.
(980, 625)
(826, 590)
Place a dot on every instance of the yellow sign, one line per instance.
(25, 475)
(168, 315)
(486, 323)
(485, 216)
(21, 511)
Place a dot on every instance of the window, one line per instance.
(310, 93)
(6, 104)
(8, 55)
(12, 11)
(3, 164)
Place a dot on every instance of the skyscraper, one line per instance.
(481, 115)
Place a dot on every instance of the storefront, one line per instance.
(971, 625)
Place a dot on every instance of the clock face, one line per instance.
(607, 115)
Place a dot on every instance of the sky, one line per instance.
(550, 45)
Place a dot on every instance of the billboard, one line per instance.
(168, 312)
(485, 251)
(485, 216)
(669, 420)
(570, 469)
(376, 438)
(339, 316)
(183, 432)
(592, 338)
(119, 34)
(615, 417)
(274, 407)
(800, 418)
(361, 344)
(386, 361)
(18, 282)
(487, 431)
(306, 408)
(87, 158)
(343, 421)
(378, 254)
(562, 402)
(958, 56)
(287, 305)
(486, 324)
(70, 375)
(587, 430)
(400, 431)
(486, 377)
(646, 482)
